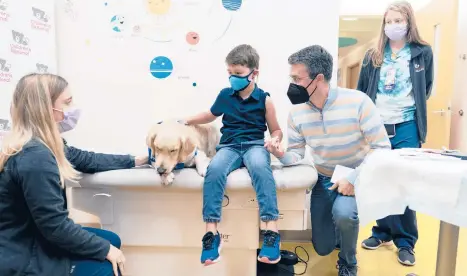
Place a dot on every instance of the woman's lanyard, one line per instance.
(390, 80)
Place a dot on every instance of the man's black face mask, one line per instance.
(298, 94)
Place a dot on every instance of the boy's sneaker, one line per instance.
(373, 243)
(211, 248)
(346, 270)
(406, 256)
(270, 251)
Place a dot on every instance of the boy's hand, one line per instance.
(274, 146)
(272, 141)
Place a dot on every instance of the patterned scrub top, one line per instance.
(394, 99)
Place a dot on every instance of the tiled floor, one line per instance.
(383, 262)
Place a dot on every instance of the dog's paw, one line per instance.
(202, 169)
(167, 179)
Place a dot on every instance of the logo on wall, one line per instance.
(42, 68)
(4, 16)
(20, 45)
(4, 125)
(5, 75)
(40, 20)
(70, 9)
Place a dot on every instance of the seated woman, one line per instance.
(37, 237)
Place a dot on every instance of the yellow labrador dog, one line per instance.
(175, 146)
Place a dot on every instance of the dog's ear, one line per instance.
(151, 137)
(186, 148)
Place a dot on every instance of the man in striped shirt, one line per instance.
(342, 126)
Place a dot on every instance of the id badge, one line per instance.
(391, 130)
(390, 80)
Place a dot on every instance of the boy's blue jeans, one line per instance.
(333, 213)
(230, 157)
(83, 267)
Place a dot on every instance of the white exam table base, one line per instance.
(147, 217)
(161, 227)
(172, 261)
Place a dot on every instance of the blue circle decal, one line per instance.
(232, 5)
(161, 67)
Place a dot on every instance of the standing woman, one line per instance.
(398, 75)
(37, 237)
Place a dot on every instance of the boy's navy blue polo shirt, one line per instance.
(243, 120)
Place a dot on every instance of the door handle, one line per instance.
(441, 111)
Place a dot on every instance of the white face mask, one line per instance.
(396, 32)
(70, 119)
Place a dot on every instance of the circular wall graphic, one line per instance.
(117, 23)
(158, 6)
(161, 67)
(192, 38)
(347, 41)
(232, 5)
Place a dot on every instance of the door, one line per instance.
(459, 98)
(437, 22)
(353, 74)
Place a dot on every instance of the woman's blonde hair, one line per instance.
(413, 36)
(32, 117)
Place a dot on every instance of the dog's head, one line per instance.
(171, 143)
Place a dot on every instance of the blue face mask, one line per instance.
(239, 83)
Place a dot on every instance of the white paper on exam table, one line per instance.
(424, 155)
(340, 172)
(408, 179)
(462, 200)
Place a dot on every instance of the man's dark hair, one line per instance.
(244, 55)
(316, 59)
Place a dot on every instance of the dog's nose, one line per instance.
(161, 170)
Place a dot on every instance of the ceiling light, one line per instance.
(350, 18)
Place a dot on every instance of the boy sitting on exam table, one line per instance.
(247, 112)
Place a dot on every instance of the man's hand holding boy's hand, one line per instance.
(273, 145)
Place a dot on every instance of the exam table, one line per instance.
(161, 227)
(433, 184)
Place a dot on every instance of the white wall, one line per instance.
(31, 22)
(109, 71)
